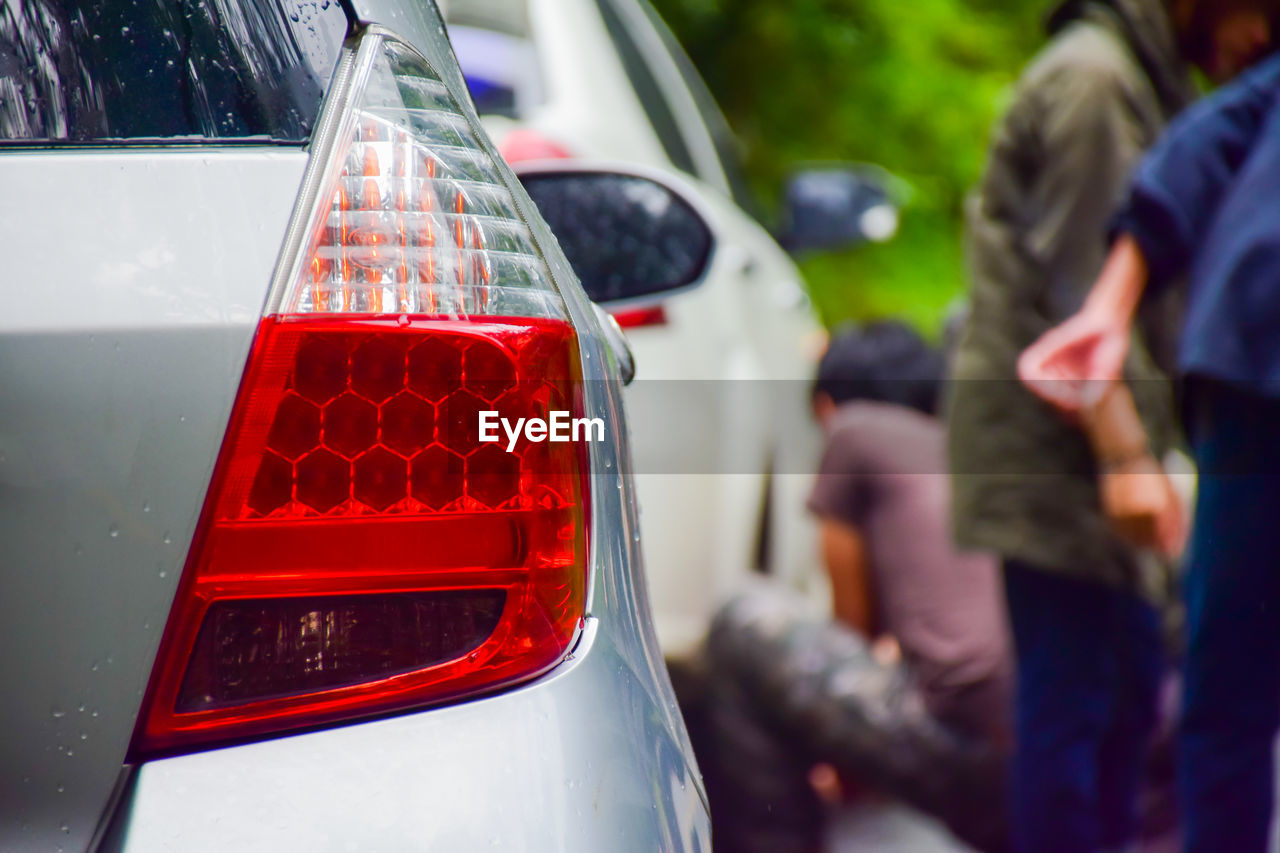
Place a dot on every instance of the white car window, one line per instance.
(722, 138)
(646, 30)
(648, 88)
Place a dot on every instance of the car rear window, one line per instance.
(165, 70)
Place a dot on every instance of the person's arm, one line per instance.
(1173, 199)
(840, 499)
(1074, 364)
(1137, 495)
(844, 553)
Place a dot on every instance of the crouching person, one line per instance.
(882, 499)
(907, 692)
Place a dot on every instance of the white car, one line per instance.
(720, 414)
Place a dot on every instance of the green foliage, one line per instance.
(912, 85)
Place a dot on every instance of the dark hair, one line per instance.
(886, 362)
(1197, 42)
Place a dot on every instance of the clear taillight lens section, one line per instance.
(361, 549)
(413, 226)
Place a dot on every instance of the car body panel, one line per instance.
(120, 351)
(550, 766)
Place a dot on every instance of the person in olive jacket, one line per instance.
(1051, 496)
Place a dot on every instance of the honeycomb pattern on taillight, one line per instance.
(388, 422)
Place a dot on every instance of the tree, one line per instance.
(912, 85)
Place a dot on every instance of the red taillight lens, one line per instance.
(361, 548)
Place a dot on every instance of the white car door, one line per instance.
(766, 338)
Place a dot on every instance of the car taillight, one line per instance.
(361, 549)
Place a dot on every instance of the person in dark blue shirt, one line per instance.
(1205, 203)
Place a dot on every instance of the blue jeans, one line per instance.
(1231, 704)
(1090, 664)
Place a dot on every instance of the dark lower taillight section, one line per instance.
(259, 649)
(362, 549)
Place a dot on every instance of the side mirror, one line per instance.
(628, 236)
(836, 207)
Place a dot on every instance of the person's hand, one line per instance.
(1073, 364)
(1143, 507)
(886, 651)
(825, 781)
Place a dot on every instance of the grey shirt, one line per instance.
(884, 472)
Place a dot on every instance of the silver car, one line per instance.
(267, 580)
